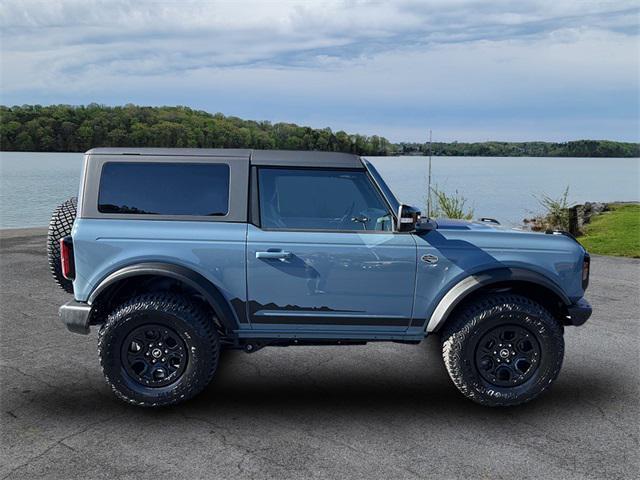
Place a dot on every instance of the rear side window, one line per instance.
(197, 189)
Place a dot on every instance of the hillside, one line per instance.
(65, 128)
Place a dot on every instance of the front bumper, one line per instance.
(579, 312)
(75, 316)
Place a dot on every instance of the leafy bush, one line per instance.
(556, 212)
(556, 215)
(450, 206)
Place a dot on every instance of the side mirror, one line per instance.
(408, 218)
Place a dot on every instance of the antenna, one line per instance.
(429, 180)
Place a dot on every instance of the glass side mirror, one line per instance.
(408, 217)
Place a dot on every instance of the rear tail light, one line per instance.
(66, 258)
(586, 265)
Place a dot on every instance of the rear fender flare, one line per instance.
(193, 279)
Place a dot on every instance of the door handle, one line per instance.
(271, 254)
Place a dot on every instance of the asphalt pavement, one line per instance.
(377, 411)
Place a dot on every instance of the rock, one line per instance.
(579, 215)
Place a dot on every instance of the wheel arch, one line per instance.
(516, 280)
(192, 280)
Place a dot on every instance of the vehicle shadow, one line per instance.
(414, 384)
(424, 391)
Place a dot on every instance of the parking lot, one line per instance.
(377, 411)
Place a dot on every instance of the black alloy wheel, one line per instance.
(159, 349)
(507, 355)
(154, 355)
(502, 349)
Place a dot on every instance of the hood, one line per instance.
(453, 224)
(444, 224)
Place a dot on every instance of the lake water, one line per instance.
(33, 184)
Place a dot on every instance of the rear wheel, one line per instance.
(158, 349)
(59, 227)
(503, 350)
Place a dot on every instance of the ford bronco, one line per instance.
(175, 254)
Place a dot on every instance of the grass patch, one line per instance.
(616, 232)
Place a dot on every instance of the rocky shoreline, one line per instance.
(577, 216)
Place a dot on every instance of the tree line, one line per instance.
(66, 128)
(577, 148)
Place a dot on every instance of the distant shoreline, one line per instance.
(69, 128)
(391, 155)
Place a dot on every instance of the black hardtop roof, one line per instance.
(288, 158)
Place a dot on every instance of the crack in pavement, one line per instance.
(246, 450)
(55, 444)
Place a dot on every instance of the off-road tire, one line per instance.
(462, 335)
(178, 313)
(59, 227)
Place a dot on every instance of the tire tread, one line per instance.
(183, 308)
(60, 226)
(458, 330)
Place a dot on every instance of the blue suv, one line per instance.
(176, 254)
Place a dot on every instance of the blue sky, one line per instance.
(469, 70)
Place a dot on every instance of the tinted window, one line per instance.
(391, 198)
(164, 188)
(314, 199)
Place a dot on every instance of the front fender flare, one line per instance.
(473, 282)
(183, 274)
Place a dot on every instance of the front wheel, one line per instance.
(503, 350)
(158, 349)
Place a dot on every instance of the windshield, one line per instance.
(386, 191)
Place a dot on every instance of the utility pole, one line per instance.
(429, 180)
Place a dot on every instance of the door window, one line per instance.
(320, 199)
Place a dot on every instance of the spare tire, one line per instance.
(59, 227)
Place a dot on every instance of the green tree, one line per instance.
(79, 128)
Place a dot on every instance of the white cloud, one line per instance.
(324, 62)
